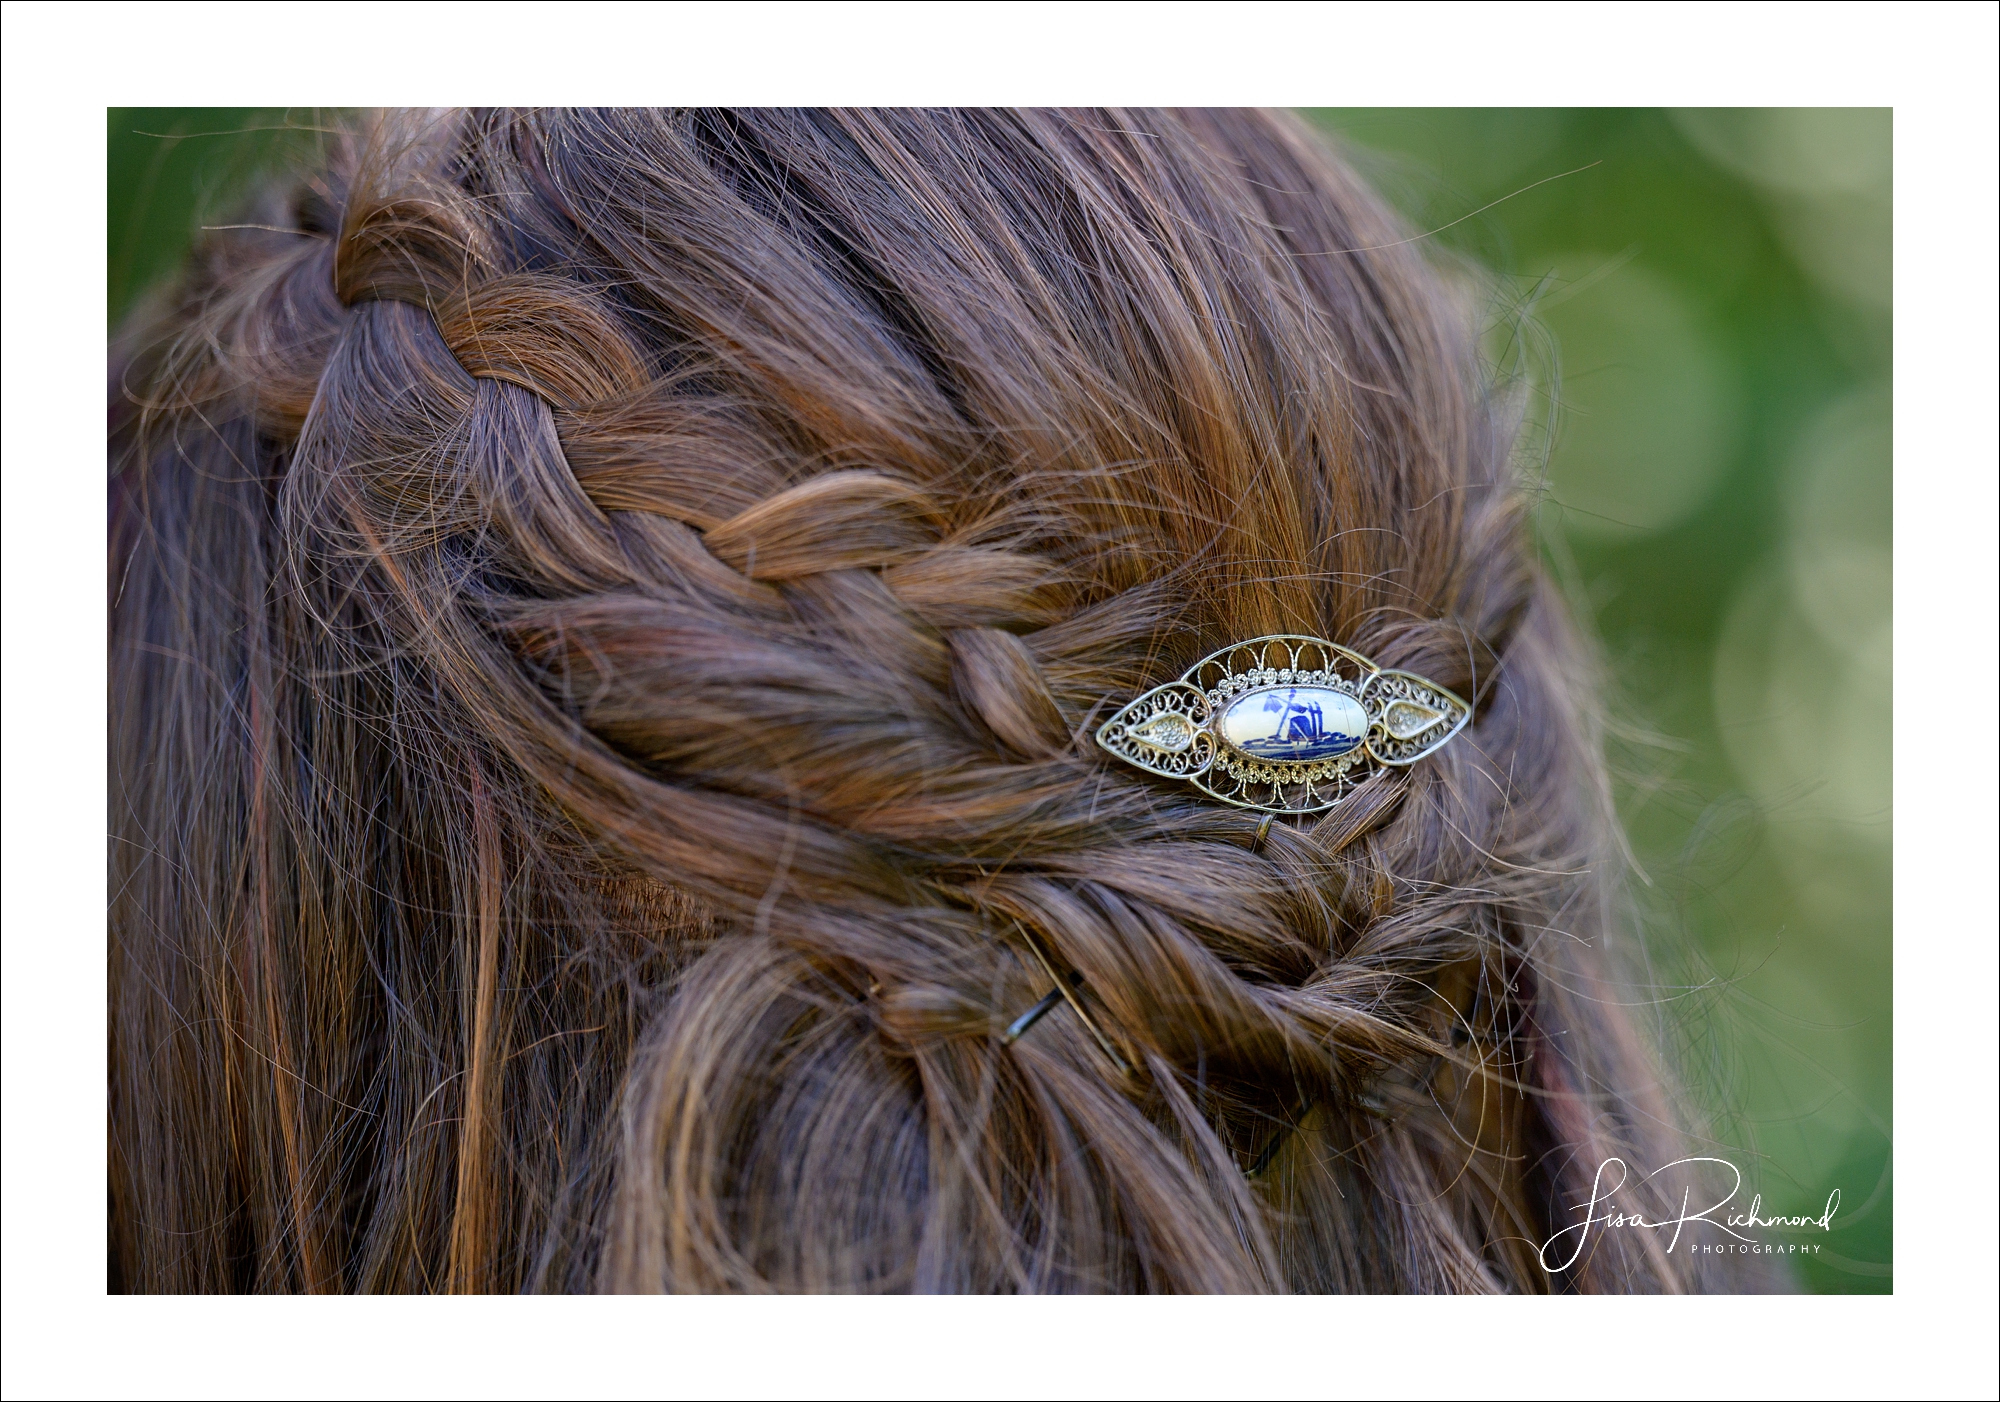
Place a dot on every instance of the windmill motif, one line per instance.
(1299, 722)
(1284, 724)
(1311, 723)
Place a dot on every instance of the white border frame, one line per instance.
(1935, 64)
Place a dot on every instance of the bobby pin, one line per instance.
(1276, 1142)
(1067, 989)
(1034, 1015)
(1263, 831)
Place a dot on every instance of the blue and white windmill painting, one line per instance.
(1295, 724)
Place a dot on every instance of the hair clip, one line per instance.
(1283, 724)
(1285, 1130)
(1068, 989)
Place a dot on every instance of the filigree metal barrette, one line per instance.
(1283, 724)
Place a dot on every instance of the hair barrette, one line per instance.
(1283, 724)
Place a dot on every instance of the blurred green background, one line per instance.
(1693, 307)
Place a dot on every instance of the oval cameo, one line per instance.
(1294, 724)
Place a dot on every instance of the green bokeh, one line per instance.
(171, 170)
(1695, 311)
(1695, 314)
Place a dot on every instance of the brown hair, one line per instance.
(609, 610)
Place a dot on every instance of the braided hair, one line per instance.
(608, 612)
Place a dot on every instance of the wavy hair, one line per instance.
(608, 614)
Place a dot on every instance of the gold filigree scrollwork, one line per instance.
(1285, 724)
